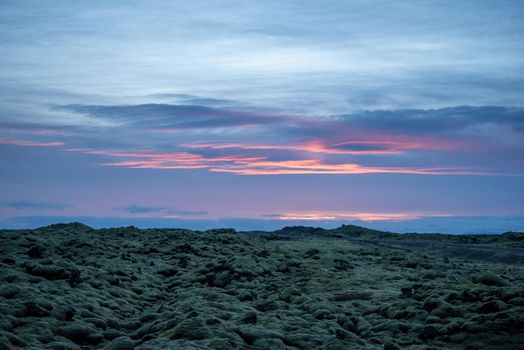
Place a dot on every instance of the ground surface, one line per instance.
(71, 287)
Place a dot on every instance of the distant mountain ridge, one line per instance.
(359, 232)
(355, 232)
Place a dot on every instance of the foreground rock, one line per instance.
(72, 287)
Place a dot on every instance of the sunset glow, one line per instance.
(200, 114)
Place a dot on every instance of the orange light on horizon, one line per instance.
(362, 216)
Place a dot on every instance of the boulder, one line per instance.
(77, 332)
(193, 329)
(49, 272)
(120, 343)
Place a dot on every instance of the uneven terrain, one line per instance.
(68, 286)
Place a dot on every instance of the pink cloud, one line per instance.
(315, 166)
(244, 165)
(368, 144)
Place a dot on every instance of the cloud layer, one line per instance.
(355, 108)
(35, 205)
(160, 212)
(454, 140)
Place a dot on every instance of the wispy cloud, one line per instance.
(169, 116)
(36, 205)
(140, 209)
(370, 146)
(163, 212)
(176, 212)
(253, 165)
(435, 121)
(28, 143)
(188, 99)
(424, 142)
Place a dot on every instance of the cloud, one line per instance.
(260, 165)
(176, 212)
(33, 128)
(339, 50)
(139, 209)
(435, 121)
(369, 146)
(463, 140)
(187, 99)
(165, 212)
(168, 116)
(36, 205)
(28, 143)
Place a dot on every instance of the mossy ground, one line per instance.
(70, 287)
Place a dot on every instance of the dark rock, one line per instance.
(14, 339)
(111, 334)
(470, 297)
(407, 291)
(76, 332)
(95, 338)
(9, 261)
(10, 278)
(247, 295)
(451, 297)
(130, 324)
(391, 346)
(250, 317)
(341, 333)
(346, 323)
(490, 279)
(489, 307)
(353, 296)
(183, 261)
(342, 265)
(185, 248)
(312, 253)
(169, 272)
(322, 314)
(192, 329)
(192, 314)
(65, 313)
(5, 345)
(9, 291)
(264, 253)
(213, 321)
(74, 277)
(120, 343)
(431, 303)
(49, 272)
(97, 322)
(148, 317)
(427, 333)
(411, 264)
(219, 279)
(275, 237)
(34, 310)
(36, 252)
(267, 306)
(221, 231)
(288, 293)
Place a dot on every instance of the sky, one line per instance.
(399, 115)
